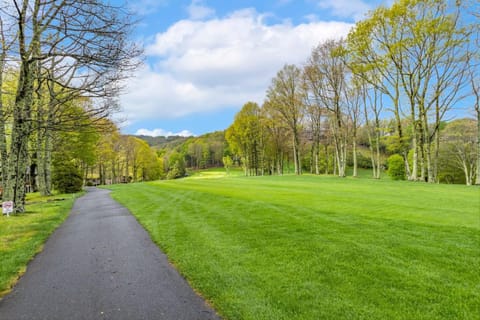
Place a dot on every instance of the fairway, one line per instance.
(314, 247)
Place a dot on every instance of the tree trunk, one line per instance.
(477, 180)
(327, 159)
(296, 153)
(18, 160)
(379, 165)
(468, 180)
(3, 139)
(414, 172)
(354, 151)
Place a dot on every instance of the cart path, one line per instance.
(101, 264)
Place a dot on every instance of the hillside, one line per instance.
(162, 142)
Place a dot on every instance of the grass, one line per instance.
(23, 235)
(318, 247)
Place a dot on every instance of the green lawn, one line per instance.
(22, 235)
(318, 247)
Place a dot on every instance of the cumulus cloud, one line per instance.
(198, 11)
(206, 65)
(163, 133)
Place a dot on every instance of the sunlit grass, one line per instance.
(22, 235)
(319, 247)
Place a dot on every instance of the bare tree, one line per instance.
(79, 50)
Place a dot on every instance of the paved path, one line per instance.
(101, 264)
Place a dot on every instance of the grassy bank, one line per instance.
(318, 247)
(22, 235)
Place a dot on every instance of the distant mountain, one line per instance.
(161, 142)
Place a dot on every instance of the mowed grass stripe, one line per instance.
(301, 248)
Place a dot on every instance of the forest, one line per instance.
(400, 94)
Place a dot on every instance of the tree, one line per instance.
(286, 97)
(370, 59)
(459, 144)
(420, 51)
(353, 102)
(245, 137)
(80, 46)
(315, 112)
(176, 166)
(6, 43)
(474, 78)
(107, 152)
(227, 163)
(329, 82)
(276, 139)
(372, 105)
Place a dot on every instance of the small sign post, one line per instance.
(7, 207)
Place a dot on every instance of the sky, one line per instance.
(204, 59)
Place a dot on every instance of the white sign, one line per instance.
(7, 207)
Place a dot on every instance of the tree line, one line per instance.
(412, 63)
(388, 89)
(62, 64)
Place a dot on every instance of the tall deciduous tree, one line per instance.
(6, 43)
(276, 139)
(420, 50)
(372, 110)
(459, 144)
(245, 135)
(87, 44)
(314, 111)
(286, 97)
(329, 70)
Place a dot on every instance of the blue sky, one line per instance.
(205, 58)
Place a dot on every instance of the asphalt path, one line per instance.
(101, 264)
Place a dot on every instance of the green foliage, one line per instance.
(318, 247)
(67, 178)
(244, 137)
(396, 167)
(458, 151)
(227, 163)
(176, 166)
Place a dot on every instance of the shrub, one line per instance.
(177, 170)
(396, 167)
(67, 178)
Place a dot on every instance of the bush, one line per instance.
(396, 167)
(177, 171)
(67, 178)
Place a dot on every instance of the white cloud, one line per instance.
(163, 133)
(197, 66)
(198, 11)
(355, 9)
